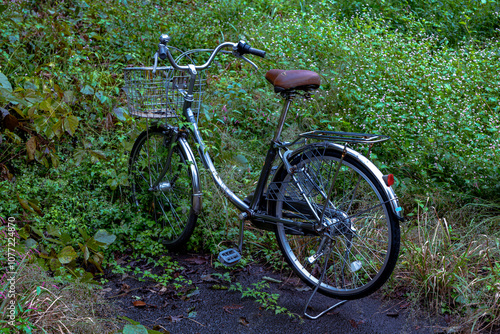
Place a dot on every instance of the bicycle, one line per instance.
(335, 216)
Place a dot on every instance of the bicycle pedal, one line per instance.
(229, 257)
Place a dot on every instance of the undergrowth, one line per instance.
(425, 73)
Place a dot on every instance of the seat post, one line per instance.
(288, 99)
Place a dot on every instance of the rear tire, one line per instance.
(362, 240)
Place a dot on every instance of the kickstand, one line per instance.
(314, 292)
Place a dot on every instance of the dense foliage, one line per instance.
(425, 72)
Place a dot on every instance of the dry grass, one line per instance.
(453, 269)
(51, 307)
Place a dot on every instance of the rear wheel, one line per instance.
(163, 191)
(358, 244)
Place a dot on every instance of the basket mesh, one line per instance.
(160, 94)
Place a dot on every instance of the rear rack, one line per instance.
(344, 137)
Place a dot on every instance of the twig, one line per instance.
(122, 294)
(199, 323)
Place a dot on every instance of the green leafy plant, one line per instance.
(57, 249)
(268, 301)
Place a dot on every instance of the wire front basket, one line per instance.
(160, 94)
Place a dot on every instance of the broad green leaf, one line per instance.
(70, 124)
(24, 203)
(134, 329)
(65, 238)
(54, 159)
(84, 234)
(55, 241)
(97, 155)
(152, 331)
(24, 233)
(4, 82)
(133, 322)
(32, 96)
(87, 278)
(69, 97)
(53, 230)
(57, 129)
(6, 94)
(79, 156)
(30, 243)
(35, 206)
(67, 254)
(46, 105)
(241, 160)
(93, 245)
(86, 253)
(105, 238)
(37, 232)
(100, 95)
(14, 137)
(87, 90)
(119, 112)
(54, 264)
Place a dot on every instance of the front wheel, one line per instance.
(357, 245)
(162, 186)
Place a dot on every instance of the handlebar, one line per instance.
(239, 50)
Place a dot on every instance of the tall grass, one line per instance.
(455, 271)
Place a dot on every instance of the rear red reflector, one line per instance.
(388, 179)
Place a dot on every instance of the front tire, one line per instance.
(361, 241)
(169, 203)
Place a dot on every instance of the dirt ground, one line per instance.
(206, 307)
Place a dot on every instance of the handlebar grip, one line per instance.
(257, 52)
(244, 48)
(162, 51)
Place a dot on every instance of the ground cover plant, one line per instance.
(426, 75)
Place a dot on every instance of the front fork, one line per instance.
(178, 137)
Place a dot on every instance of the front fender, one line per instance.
(195, 175)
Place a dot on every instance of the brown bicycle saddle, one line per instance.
(283, 80)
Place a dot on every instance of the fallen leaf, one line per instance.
(232, 307)
(355, 323)
(139, 303)
(175, 318)
(193, 292)
(125, 287)
(208, 278)
(333, 313)
(243, 321)
(197, 260)
(10, 122)
(404, 305)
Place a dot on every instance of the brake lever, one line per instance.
(249, 61)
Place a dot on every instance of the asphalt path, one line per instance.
(205, 306)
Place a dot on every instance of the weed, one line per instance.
(268, 301)
(453, 274)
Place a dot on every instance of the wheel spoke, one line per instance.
(168, 203)
(364, 238)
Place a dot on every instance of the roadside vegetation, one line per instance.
(425, 73)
